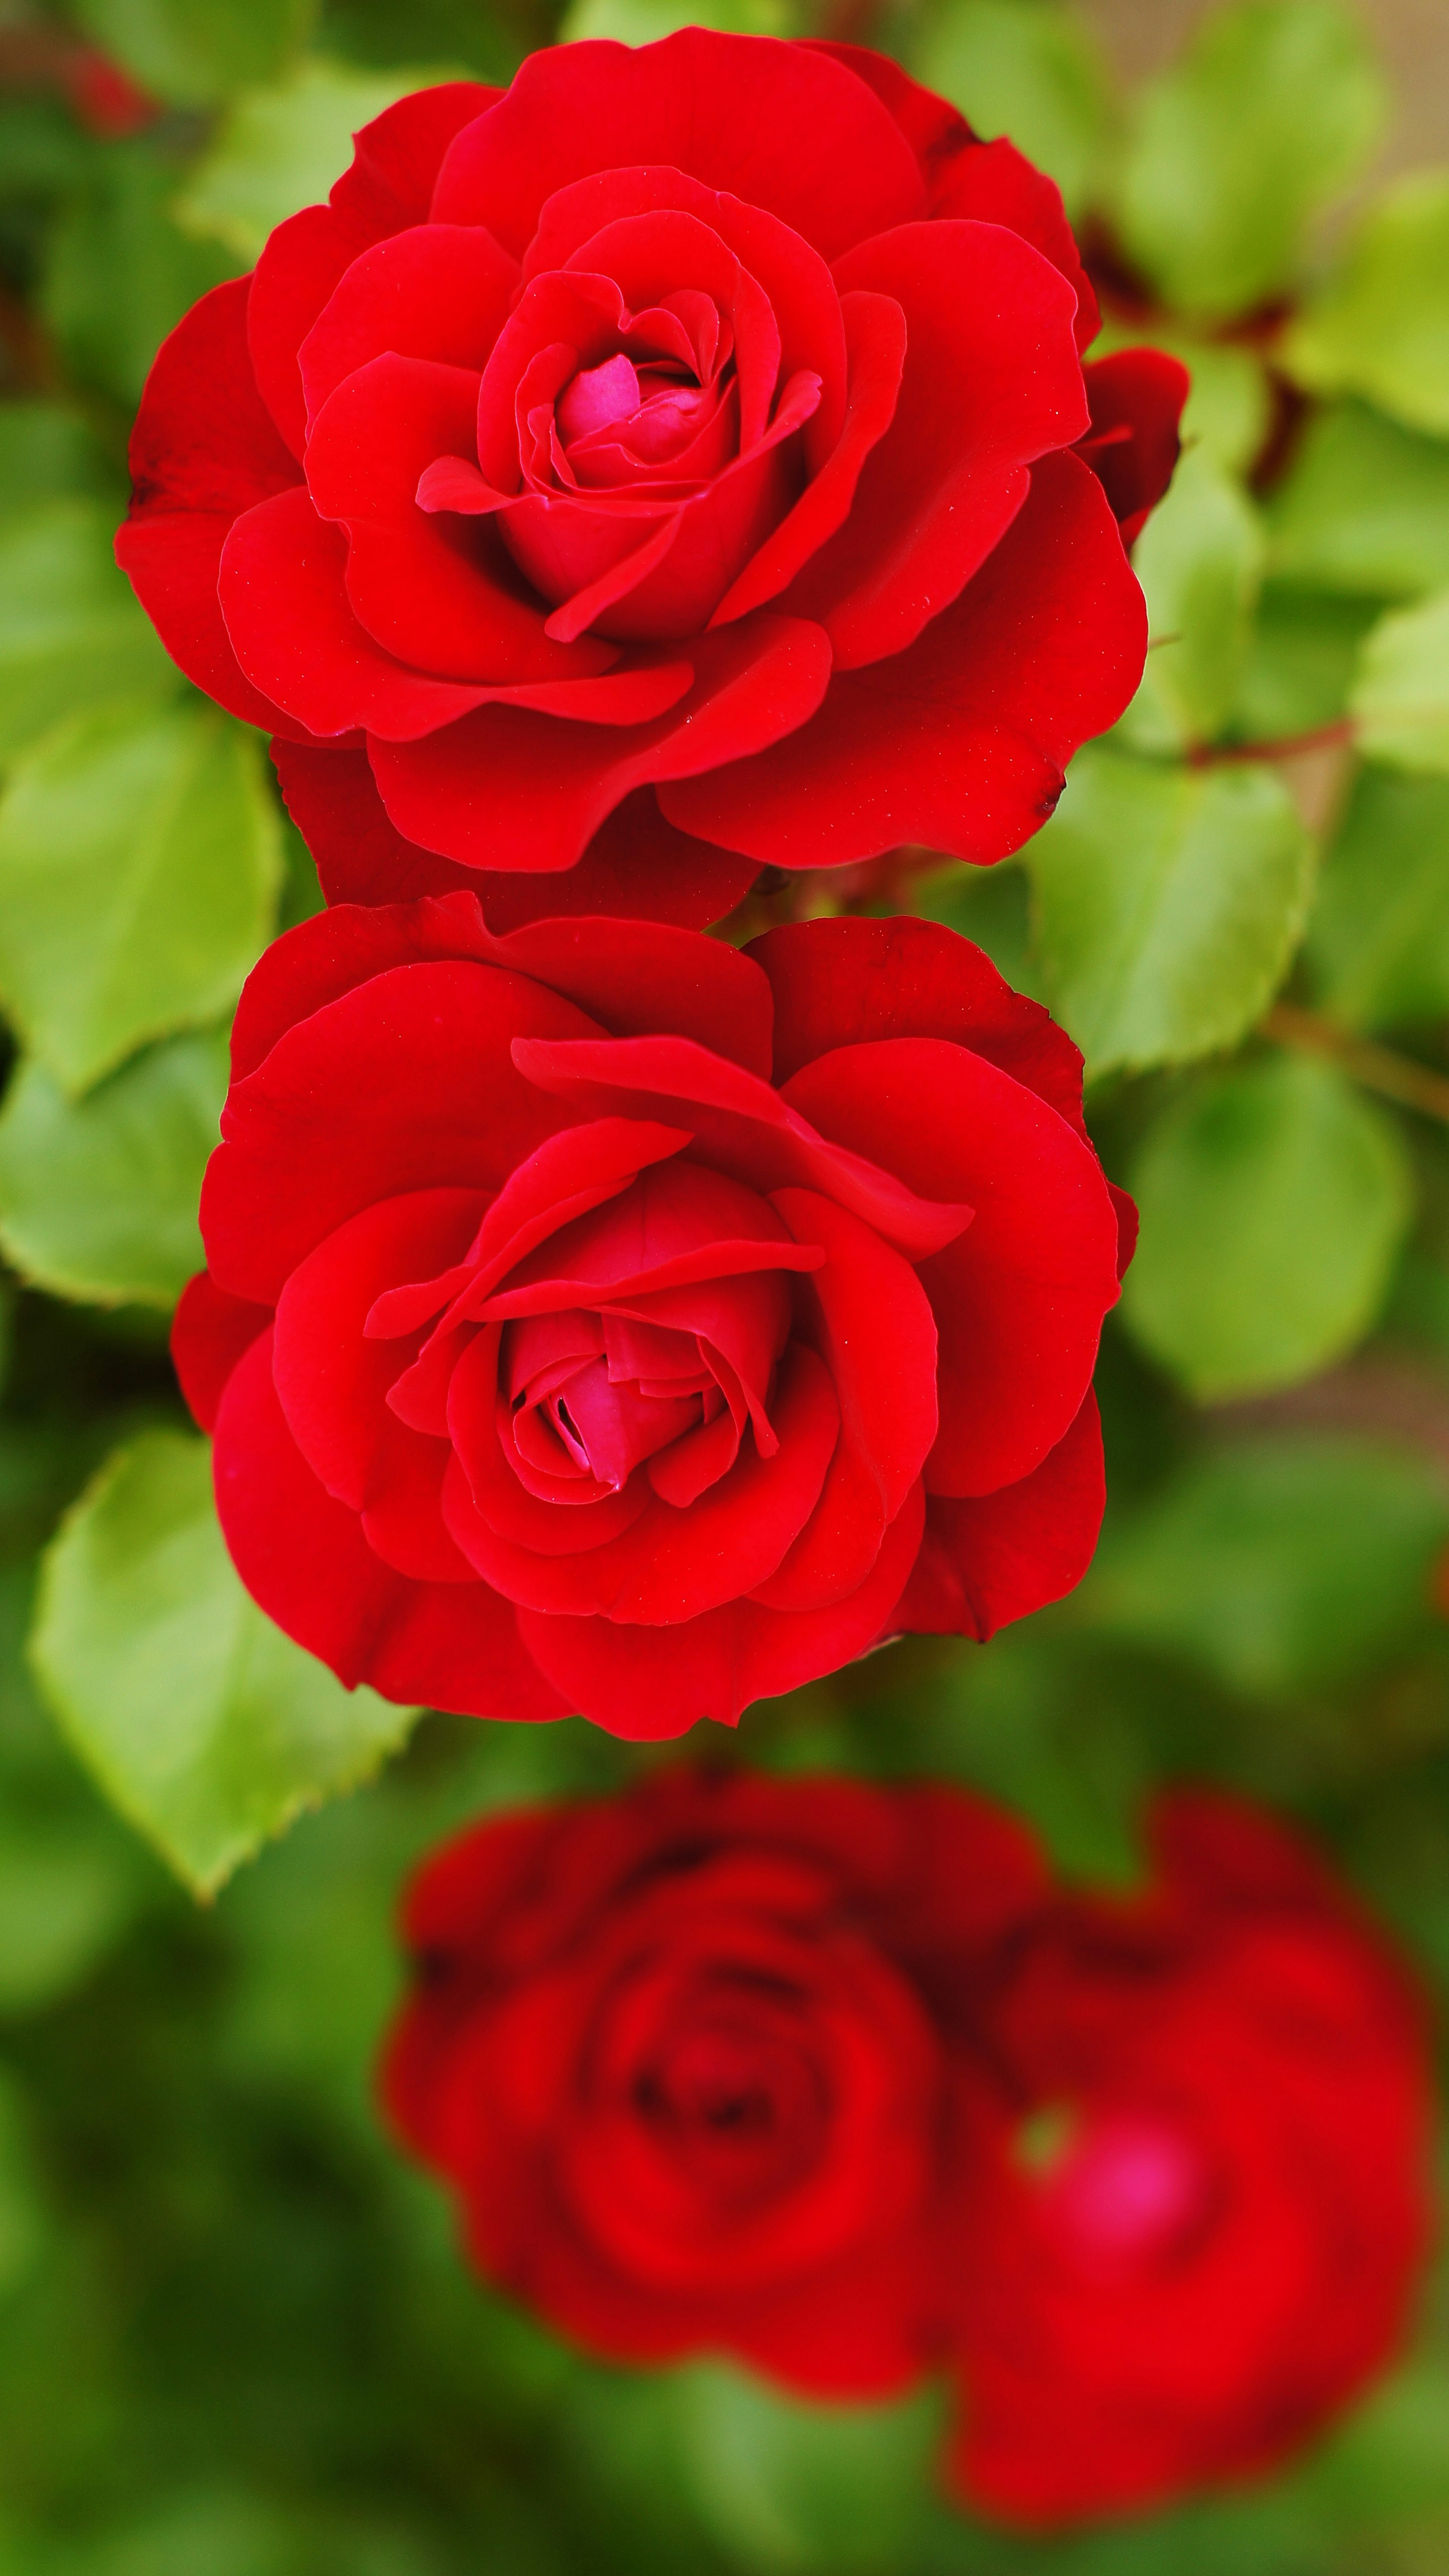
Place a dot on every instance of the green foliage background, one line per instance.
(234, 2335)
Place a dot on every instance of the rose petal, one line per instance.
(1019, 1298)
(992, 381)
(439, 291)
(961, 742)
(710, 105)
(471, 791)
(304, 1559)
(648, 1684)
(209, 1334)
(844, 982)
(343, 1111)
(990, 1559)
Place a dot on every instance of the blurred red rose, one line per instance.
(1204, 2241)
(671, 2052)
(604, 1319)
(683, 436)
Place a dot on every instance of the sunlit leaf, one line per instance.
(1279, 1564)
(1168, 903)
(1199, 560)
(140, 858)
(1378, 943)
(1380, 324)
(1272, 108)
(643, 22)
(195, 51)
(279, 149)
(1365, 507)
(1301, 662)
(98, 1196)
(70, 628)
(120, 273)
(1273, 1200)
(205, 1725)
(1400, 698)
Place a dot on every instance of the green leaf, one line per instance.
(786, 2484)
(1301, 662)
(1391, 2459)
(1400, 699)
(140, 861)
(206, 1727)
(1168, 903)
(280, 149)
(643, 22)
(23, 2225)
(1279, 1565)
(1026, 69)
(1380, 325)
(1273, 107)
(1199, 560)
(120, 273)
(1273, 1201)
(98, 1197)
(1365, 507)
(193, 52)
(1378, 943)
(48, 450)
(65, 1893)
(70, 628)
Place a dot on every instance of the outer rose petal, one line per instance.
(999, 1557)
(285, 603)
(711, 105)
(1020, 1295)
(1133, 443)
(305, 1560)
(394, 164)
(992, 381)
(648, 1684)
(997, 185)
(934, 129)
(636, 865)
(472, 790)
(345, 1111)
(209, 1333)
(961, 742)
(202, 450)
(845, 982)
(628, 977)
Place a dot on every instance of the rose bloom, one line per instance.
(680, 461)
(673, 2053)
(1205, 2239)
(600, 1318)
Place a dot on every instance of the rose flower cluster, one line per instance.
(682, 465)
(679, 462)
(833, 2078)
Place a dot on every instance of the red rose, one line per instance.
(1205, 2240)
(683, 437)
(600, 1318)
(671, 2052)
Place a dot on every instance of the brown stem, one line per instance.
(1378, 1068)
(1289, 746)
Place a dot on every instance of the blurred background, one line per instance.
(234, 2336)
